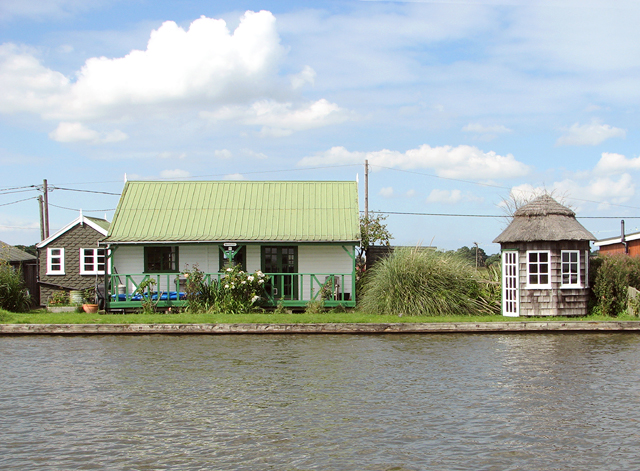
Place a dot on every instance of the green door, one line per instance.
(277, 262)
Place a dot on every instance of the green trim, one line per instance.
(162, 269)
(240, 250)
(280, 275)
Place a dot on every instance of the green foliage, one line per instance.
(613, 275)
(237, 291)
(14, 296)
(417, 282)
(496, 258)
(314, 307)
(372, 230)
(148, 304)
(30, 249)
(469, 255)
(59, 298)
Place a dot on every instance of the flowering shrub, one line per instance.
(237, 291)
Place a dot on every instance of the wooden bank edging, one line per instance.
(335, 328)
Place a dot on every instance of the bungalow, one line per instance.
(302, 234)
(70, 259)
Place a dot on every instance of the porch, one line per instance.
(293, 290)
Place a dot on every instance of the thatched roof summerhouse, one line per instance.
(545, 261)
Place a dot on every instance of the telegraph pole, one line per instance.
(46, 208)
(40, 203)
(366, 189)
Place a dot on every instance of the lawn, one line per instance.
(43, 317)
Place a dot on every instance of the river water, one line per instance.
(325, 402)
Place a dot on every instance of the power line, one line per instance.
(85, 191)
(84, 210)
(489, 215)
(19, 201)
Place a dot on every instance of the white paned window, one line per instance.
(539, 269)
(570, 263)
(55, 261)
(92, 261)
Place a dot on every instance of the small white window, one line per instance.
(55, 261)
(538, 269)
(92, 261)
(570, 263)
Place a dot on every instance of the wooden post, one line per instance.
(46, 209)
(366, 188)
(40, 203)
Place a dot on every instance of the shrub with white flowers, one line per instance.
(237, 291)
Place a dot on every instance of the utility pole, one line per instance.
(46, 208)
(366, 189)
(40, 203)
(476, 244)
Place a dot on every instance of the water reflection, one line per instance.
(541, 401)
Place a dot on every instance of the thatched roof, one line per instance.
(544, 219)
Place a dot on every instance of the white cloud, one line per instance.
(307, 75)
(234, 176)
(600, 190)
(281, 119)
(171, 155)
(589, 134)
(223, 154)
(447, 161)
(387, 191)
(611, 163)
(481, 129)
(232, 74)
(77, 132)
(176, 173)
(444, 196)
(254, 154)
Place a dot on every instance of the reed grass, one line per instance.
(415, 282)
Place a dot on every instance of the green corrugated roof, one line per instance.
(100, 222)
(236, 211)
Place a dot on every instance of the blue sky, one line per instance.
(456, 105)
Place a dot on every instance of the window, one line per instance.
(92, 261)
(55, 261)
(161, 259)
(538, 273)
(570, 262)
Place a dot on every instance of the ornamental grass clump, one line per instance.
(417, 282)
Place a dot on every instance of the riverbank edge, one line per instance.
(329, 328)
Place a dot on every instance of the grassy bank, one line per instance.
(43, 317)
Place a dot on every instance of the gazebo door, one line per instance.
(510, 284)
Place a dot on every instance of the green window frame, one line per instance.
(161, 259)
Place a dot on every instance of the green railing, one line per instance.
(289, 289)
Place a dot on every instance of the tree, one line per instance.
(372, 230)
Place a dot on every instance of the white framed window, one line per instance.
(55, 261)
(92, 261)
(570, 268)
(539, 269)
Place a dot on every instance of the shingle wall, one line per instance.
(72, 241)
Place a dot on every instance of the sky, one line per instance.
(458, 106)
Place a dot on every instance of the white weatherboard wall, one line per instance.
(324, 260)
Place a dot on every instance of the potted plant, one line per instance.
(89, 301)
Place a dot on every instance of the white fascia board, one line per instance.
(68, 227)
